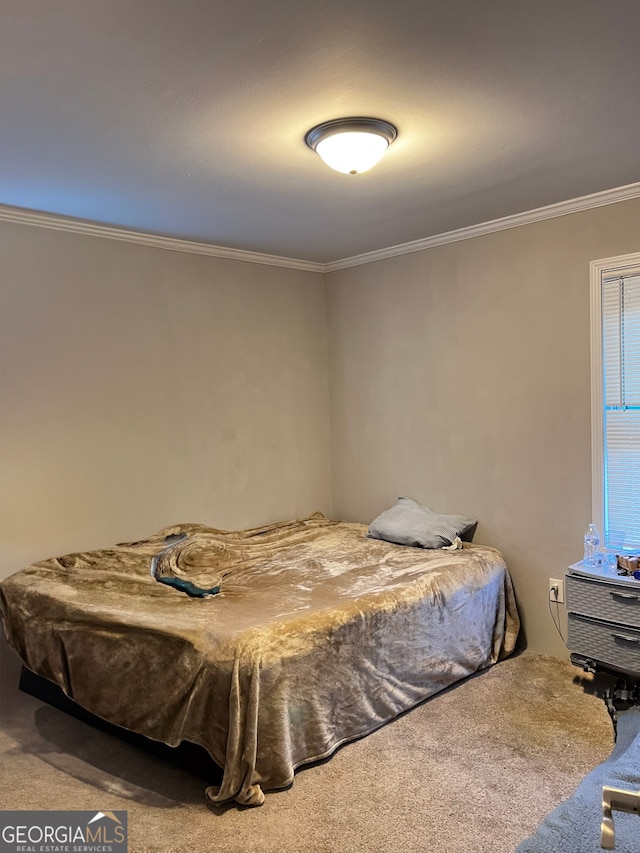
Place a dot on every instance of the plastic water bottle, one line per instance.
(591, 543)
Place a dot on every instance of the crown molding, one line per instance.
(24, 216)
(80, 226)
(563, 208)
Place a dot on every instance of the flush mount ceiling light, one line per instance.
(351, 145)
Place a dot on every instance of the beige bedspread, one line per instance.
(318, 636)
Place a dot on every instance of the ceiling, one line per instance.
(186, 118)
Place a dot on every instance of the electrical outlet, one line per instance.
(555, 584)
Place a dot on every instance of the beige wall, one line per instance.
(142, 387)
(460, 377)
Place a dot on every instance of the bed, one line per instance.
(269, 647)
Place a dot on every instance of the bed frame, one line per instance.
(187, 756)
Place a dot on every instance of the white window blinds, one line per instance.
(620, 305)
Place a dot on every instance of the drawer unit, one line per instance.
(603, 618)
(603, 600)
(605, 642)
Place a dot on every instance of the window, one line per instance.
(615, 377)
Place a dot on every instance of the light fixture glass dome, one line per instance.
(351, 145)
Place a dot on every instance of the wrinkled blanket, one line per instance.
(318, 636)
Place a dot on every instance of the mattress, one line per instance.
(318, 635)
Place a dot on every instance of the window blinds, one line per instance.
(621, 415)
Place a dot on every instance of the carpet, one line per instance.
(474, 769)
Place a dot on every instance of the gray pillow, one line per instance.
(410, 523)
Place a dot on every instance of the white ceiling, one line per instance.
(186, 118)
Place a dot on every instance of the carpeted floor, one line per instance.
(473, 769)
